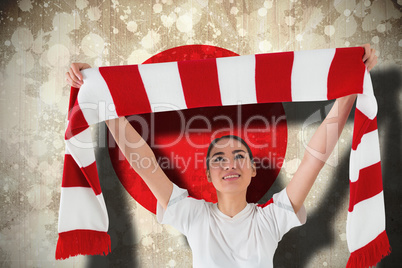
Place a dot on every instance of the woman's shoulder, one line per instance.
(278, 199)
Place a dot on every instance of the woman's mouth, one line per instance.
(231, 177)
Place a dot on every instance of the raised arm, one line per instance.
(141, 158)
(323, 142)
(135, 149)
(318, 150)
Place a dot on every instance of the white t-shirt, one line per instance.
(249, 239)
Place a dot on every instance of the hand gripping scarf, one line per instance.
(317, 75)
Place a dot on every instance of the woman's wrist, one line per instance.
(109, 121)
(348, 100)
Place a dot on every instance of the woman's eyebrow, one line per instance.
(218, 153)
(233, 152)
(238, 151)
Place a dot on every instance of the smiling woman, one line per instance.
(213, 229)
(230, 169)
(233, 232)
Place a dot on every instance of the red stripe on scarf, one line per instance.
(77, 122)
(368, 185)
(342, 65)
(199, 91)
(73, 97)
(273, 75)
(80, 177)
(370, 254)
(122, 82)
(72, 174)
(362, 125)
(91, 174)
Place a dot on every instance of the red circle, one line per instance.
(180, 139)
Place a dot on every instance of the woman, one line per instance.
(232, 232)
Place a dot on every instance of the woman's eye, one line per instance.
(217, 159)
(239, 156)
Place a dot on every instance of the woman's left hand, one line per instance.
(369, 57)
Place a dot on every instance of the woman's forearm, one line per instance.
(141, 158)
(325, 138)
(318, 150)
(128, 139)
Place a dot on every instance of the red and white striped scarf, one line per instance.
(111, 92)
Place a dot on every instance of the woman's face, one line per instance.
(230, 167)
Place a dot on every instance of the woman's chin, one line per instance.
(232, 187)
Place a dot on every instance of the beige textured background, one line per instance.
(38, 41)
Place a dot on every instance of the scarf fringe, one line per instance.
(82, 242)
(370, 254)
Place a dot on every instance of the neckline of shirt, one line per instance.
(245, 210)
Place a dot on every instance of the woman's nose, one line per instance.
(229, 164)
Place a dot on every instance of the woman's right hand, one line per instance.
(74, 75)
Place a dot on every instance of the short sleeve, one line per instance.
(281, 213)
(181, 210)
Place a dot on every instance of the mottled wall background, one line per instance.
(39, 39)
